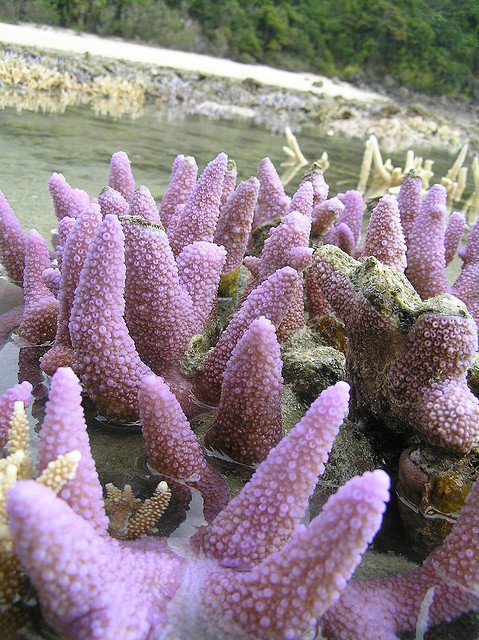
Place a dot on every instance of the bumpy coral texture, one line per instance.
(455, 229)
(13, 242)
(280, 486)
(382, 607)
(303, 199)
(269, 299)
(74, 254)
(272, 200)
(83, 593)
(7, 400)
(286, 245)
(409, 202)
(324, 215)
(112, 201)
(284, 595)
(166, 302)
(65, 225)
(143, 204)
(466, 286)
(229, 184)
(63, 430)
(199, 267)
(120, 176)
(201, 211)
(173, 450)
(234, 224)
(349, 222)
(413, 358)
(384, 237)
(426, 254)
(248, 420)
(91, 586)
(430, 379)
(66, 200)
(181, 184)
(106, 359)
(39, 321)
(320, 186)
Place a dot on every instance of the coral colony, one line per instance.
(119, 313)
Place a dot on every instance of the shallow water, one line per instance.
(79, 144)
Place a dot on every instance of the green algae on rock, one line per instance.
(400, 362)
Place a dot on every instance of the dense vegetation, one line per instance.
(429, 45)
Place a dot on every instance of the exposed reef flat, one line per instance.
(194, 83)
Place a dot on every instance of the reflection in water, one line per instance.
(31, 85)
(79, 144)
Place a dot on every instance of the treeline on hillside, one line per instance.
(428, 45)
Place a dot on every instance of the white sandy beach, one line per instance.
(66, 40)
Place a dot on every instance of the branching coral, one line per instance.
(135, 283)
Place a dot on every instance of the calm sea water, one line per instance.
(79, 144)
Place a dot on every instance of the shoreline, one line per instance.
(195, 83)
(69, 41)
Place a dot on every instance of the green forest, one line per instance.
(426, 45)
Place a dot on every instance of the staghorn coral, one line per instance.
(199, 216)
(174, 593)
(13, 242)
(74, 253)
(381, 608)
(120, 177)
(131, 517)
(40, 314)
(166, 301)
(15, 466)
(248, 420)
(230, 604)
(173, 450)
(272, 200)
(98, 331)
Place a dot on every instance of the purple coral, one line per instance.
(382, 607)
(105, 356)
(426, 260)
(269, 299)
(66, 200)
(182, 182)
(248, 420)
(13, 242)
(63, 430)
(173, 450)
(199, 216)
(272, 200)
(74, 254)
(415, 357)
(39, 321)
(93, 587)
(166, 301)
(120, 176)
(384, 237)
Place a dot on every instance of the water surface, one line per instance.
(79, 144)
